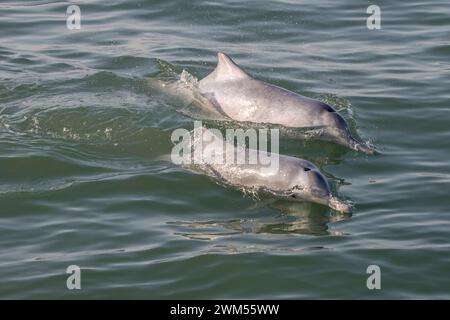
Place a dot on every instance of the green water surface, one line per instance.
(84, 180)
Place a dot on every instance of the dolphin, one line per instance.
(241, 97)
(291, 178)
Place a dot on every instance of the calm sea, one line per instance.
(84, 179)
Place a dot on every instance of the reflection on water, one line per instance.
(307, 218)
(301, 218)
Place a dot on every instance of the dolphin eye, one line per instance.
(306, 169)
(328, 108)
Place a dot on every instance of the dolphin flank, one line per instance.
(242, 98)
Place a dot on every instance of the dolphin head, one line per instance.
(311, 185)
(338, 131)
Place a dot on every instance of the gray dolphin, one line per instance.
(242, 98)
(291, 178)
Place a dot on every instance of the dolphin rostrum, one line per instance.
(242, 98)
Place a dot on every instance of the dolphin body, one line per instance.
(292, 178)
(242, 98)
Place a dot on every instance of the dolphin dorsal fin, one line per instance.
(227, 69)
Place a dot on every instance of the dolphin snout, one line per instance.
(359, 146)
(366, 149)
(340, 205)
(341, 132)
